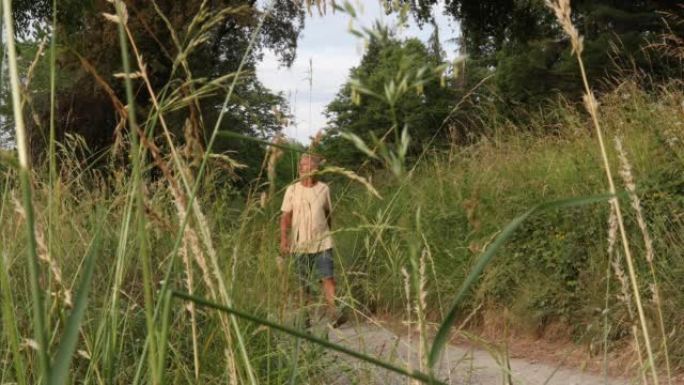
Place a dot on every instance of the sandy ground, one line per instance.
(460, 364)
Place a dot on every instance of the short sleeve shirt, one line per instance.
(310, 232)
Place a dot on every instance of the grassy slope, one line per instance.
(553, 272)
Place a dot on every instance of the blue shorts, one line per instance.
(314, 267)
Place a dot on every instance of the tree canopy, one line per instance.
(423, 109)
(191, 51)
(522, 41)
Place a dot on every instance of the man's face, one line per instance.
(307, 165)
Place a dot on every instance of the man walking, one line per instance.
(305, 232)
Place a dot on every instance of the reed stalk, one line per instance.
(562, 11)
(39, 317)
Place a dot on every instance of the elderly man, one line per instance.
(305, 232)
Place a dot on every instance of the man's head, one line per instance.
(308, 164)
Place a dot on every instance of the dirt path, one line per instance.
(460, 364)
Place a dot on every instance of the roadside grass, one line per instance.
(553, 268)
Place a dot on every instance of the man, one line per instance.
(305, 232)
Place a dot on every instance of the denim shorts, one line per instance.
(314, 267)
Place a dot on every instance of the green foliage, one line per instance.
(552, 271)
(59, 372)
(397, 85)
(188, 48)
(531, 56)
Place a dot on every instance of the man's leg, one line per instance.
(324, 265)
(337, 318)
(326, 273)
(329, 291)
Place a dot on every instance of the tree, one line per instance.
(387, 64)
(188, 48)
(522, 41)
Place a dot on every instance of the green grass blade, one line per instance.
(52, 161)
(193, 195)
(305, 336)
(52, 156)
(9, 321)
(164, 338)
(40, 332)
(139, 196)
(442, 336)
(10, 324)
(60, 368)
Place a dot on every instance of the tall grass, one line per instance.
(175, 295)
(40, 332)
(509, 174)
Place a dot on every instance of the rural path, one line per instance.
(462, 365)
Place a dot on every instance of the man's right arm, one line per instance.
(285, 225)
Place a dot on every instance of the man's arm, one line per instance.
(285, 225)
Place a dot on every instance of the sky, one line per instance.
(327, 45)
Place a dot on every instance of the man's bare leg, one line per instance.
(337, 318)
(329, 292)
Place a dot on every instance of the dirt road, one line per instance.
(460, 365)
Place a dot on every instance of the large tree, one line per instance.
(522, 41)
(386, 64)
(187, 47)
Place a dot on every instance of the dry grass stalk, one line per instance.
(421, 309)
(612, 230)
(562, 11)
(25, 92)
(183, 251)
(190, 238)
(407, 292)
(274, 154)
(190, 243)
(628, 180)
(350, 175)
(179, 198)
(200, 220)
(232, 370)
(428, 253)
(44, 256)
(671, 44)
(116, 102)
(626, 298)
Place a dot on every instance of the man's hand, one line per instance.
(280, 263)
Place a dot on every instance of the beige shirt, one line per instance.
(310, 232)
